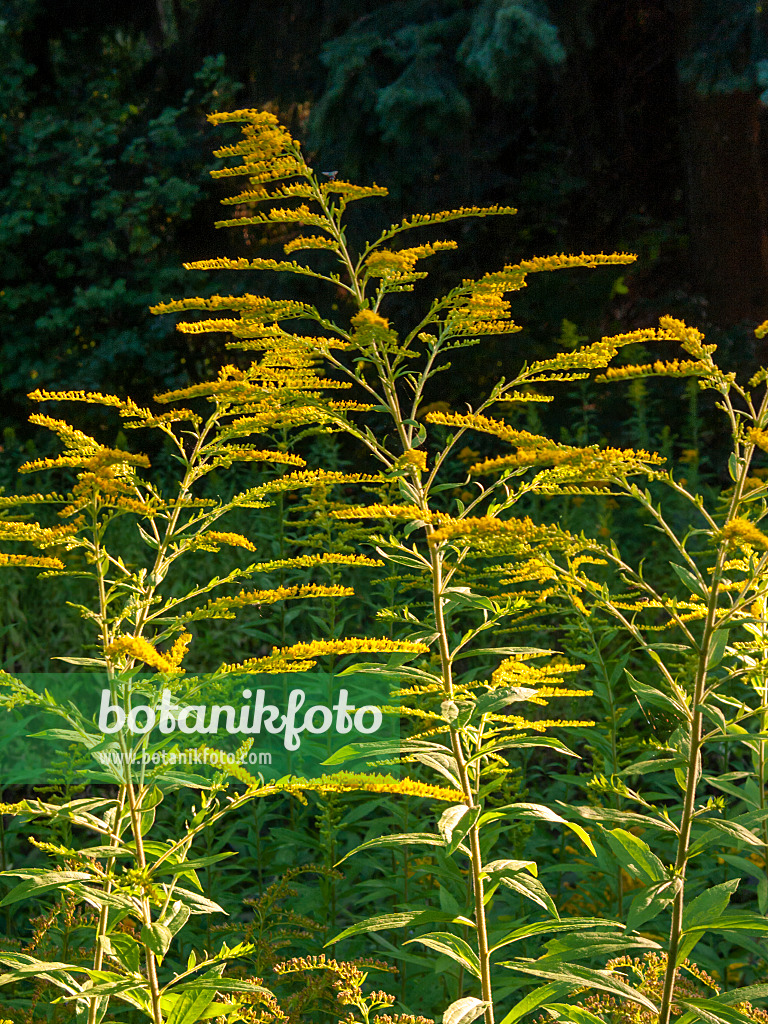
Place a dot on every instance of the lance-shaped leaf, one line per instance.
(513, 875)
(595, 944)
(649, 902)
(543, 813)
(573, 1014)
(526, 931)
(453, 946)
(40, 880)
(634, 855)
(383, 748)
(532, 1001)
(404, 839)
(190, 1006)
(712, 1011)
(454, 824)
(384, 922)
(581, 977)
(464, 1011)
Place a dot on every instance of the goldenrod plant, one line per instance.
(704, 642)
(461, 694)
(142, 888)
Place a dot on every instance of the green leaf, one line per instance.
(157, 937)
(190, 1006)
(38, 881)
(634, 855)
(532, 1001)
(717, 645)
(646, 905)
(573, 974)
(465, 1010)
(712, 1011)
(453, 946)
(734, 921)
(409, 917)
(709, 905)
(595, 944)
(732, 829)
(455, 823)
(176, 917)
(575, 1014)
(124, 949)
(690, 581)
(382, 748)
(405, 839)
(512, 867)
(570, 924)
(651, 696)
(502, 697)
(216, 984)
(198, 904)
(524, 885)
(547, 814)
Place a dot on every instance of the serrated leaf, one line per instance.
(529, 888)
(382, 748)
(652, 696)
(732, 829)
(574, 947)
(384, 922)
(718, 643)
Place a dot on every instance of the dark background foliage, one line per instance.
(634, 125)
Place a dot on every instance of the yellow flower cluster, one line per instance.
(589, 466)
(178, 649)
(309, 561)
(690, 338)
(399, 265)
(348, 782)
(741, 532)
(409, 513)
(421, 219)
(93, 397)
(306, 652)
(279, 215)
(307, 478)
(138, 648)
(758, 437)
(236, 540)
(224, 607)
(672, 368)
(564, 260)
(302, 242)
(414, 457)
(33, 561)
